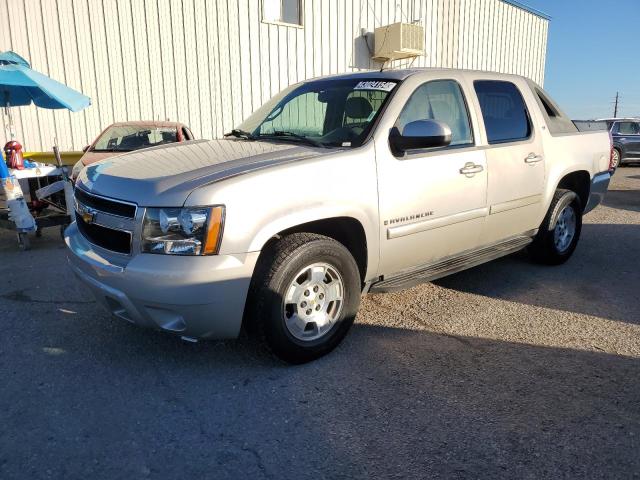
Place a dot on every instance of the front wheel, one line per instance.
(560, 231)
(304, 296)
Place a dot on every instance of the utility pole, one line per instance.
(615, 106)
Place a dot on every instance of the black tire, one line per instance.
(544, 249)
(279, 263)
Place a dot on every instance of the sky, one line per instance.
(593, 51)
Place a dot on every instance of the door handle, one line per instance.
(471, 169)
(533, 158)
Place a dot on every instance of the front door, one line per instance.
(515, 160)
(429, 207)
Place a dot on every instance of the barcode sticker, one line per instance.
(375, 85)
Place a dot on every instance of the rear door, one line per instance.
(515, 160)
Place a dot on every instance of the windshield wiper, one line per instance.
(307, 140)
(236, 132)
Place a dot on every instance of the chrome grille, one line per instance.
(105, 222)
(107, 205)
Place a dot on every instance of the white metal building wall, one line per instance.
(211, 63)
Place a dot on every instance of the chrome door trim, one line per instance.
(424, 225)
(513, 204)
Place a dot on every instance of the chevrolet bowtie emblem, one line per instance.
(87, 214)
(88, 217)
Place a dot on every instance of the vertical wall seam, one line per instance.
(46, 59)
(75, 38)
(104, 23)
(219, 72)
(135, 57)
(124, 77)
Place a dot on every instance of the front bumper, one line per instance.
(599, 186)
(192, 296)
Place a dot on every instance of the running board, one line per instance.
(452, 264)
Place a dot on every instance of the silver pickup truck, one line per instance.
(337, 186)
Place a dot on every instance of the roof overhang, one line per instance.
(528, 9)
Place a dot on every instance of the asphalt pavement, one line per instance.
(508, 370)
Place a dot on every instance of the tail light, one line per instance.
(611, 165)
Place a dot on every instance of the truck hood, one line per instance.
(166, 175)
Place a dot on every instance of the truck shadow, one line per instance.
(623, 199)
(388, 400)
(600, 279)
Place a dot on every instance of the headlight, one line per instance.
(183, 231)
(75, 171)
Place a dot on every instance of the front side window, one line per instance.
(505, 114)
(282, 11)
(440, 100)
(628, 128)
(187, 134)
(126, 138)
(324, 112)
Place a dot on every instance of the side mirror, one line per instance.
(420, 134)
(86, 148)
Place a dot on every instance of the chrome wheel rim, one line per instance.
(313, 301)
(565, 229)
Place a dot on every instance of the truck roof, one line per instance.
(403, 73)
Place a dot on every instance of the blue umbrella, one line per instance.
(12, 57)
(20, 86)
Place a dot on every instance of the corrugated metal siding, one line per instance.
(211, 63)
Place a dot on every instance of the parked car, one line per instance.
(335, 187)
(625, 133)
(124, 137)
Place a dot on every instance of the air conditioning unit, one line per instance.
(398, 40)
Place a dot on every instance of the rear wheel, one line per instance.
(304, 296)
(559, 233)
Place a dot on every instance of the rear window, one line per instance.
(505, 114)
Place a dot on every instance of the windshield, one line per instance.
(125, 138)
(321, 112)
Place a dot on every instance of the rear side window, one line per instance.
(188, 135)
(628, 128)
(440, 100)
(546, 103)
(505, 114)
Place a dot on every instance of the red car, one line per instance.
(128, 136)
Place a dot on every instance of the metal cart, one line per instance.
(47, 197)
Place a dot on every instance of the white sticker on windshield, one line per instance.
(375, 85)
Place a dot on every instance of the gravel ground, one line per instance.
(506, 370)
